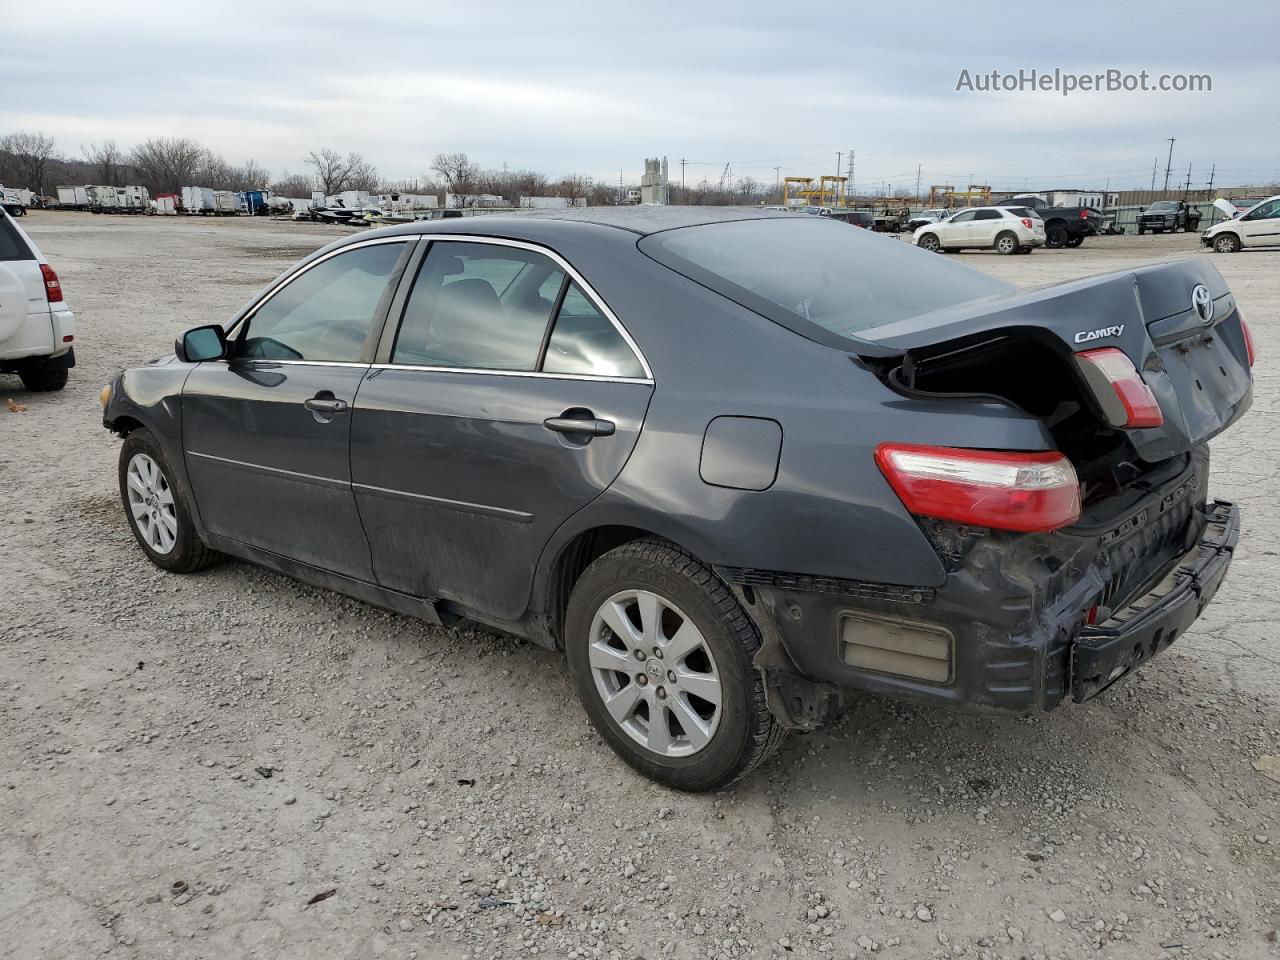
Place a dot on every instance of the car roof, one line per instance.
(534, 224)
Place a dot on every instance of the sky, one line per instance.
(594, 88)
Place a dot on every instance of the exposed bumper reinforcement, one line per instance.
(1103, 654)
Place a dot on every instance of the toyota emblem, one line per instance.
(1202, 303)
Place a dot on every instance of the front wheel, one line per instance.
(929, 242)
(1226, 243)
(158, 512)
(41, 379)
(1075, 241)
(661, 656)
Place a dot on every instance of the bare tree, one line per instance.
(250, 176)
(337, 173)
(456, 169)
(572, 187)
(167, 164)
(298, 186)
(30, 158)
(106, 160)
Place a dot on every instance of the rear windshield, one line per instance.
(816, 276)
(12, 246)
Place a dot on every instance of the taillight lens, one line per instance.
(1027, 492)
(1084, 214)
(1140, 407)
(1248, 340)
(1026, 222)
(52, 286)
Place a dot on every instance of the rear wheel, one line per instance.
(41, 379)
(1007, 243)
(1226, 243)
(158, 512)
(661, 656)
(929, 242)
(1055, 236)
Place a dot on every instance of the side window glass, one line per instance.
(1265, 212)
(478, 306)
(963, 217)
(326, 314)
(987, 215)
(583, 341)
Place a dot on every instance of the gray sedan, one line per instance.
(737, 466)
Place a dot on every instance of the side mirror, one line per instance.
(201, 343)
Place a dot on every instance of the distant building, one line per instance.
(1070, 198)
(653, 185)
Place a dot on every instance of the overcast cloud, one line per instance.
(594, 88)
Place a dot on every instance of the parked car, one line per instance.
(738, 467)
(1168, 216)
(1256, 227)
(37, 329)
(1003, 229)
(927, 216)
(857, 218)
(1063, 226)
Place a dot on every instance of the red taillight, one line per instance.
(1084, 214)
(1248, 340)
(52, 288)
(1027, 492)
(1026, 222)
(1140, 407)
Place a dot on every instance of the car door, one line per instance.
(957, 231)
(1261, 225)
(986, 224)
(267, 432)
(508, 398)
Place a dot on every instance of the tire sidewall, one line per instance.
(185, 541)
(1011, 237)
(717, 762)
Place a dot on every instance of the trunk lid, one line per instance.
(1186, 342)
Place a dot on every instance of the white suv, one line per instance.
(36, 328)
(1003, 229)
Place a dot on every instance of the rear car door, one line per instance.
(1261, 225)
(507, 399)
(986, 224)
(267, 432)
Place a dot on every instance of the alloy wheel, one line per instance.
(151, 503)
(655, 673)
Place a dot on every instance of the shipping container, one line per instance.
(225, 203)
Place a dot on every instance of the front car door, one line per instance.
(1261, 225)
(508, 398)
(956, 232)
(267, 433)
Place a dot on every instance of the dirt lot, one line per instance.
(187, 762)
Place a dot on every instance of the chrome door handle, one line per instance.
(581, 427)
(325, 405)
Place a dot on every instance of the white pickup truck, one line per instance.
(37, 330)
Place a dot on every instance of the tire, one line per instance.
(1055, 236)
(1007, 244)
(42, 379)
(1075, 241)
(695, 610)
(929, 241)
(1141, 231)
(1226, 243)
(173, 545)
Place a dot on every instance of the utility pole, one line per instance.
(839, 155)
(1212, 170)
(1186, 191)
(1154, 164)
(919, 167)
(853, 187)
(777, 182)
(1169, 165)
(684, 197)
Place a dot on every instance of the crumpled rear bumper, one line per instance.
(1104, 653)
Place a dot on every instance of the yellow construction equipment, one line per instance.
(830, 191)
(978, 195)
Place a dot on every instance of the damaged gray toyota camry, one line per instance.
(737, 466)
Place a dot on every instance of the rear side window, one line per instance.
(327, 312)
(988, 215)
(816, 277)
(12, 245)
(583, 341)
(478, 306)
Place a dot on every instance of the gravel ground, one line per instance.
(236, 765)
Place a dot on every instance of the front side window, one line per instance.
(1265, 212)
(327, 312)
(478, 306)
(583, 341)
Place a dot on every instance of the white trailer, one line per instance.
(73, 198)
(164, 206)
(134, 198)
(544, 203)
(226, 203)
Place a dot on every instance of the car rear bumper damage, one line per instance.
(1010, 631)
